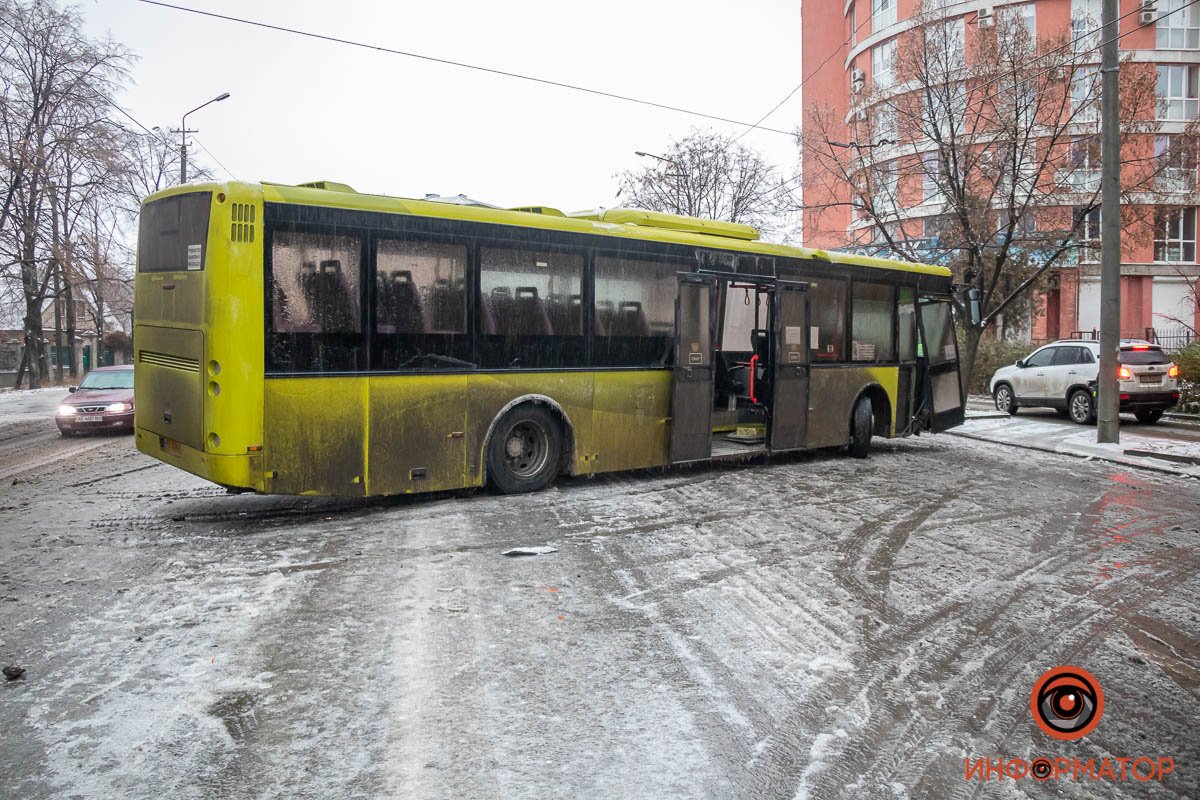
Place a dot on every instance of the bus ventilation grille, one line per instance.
(242, 227)
(170, 362)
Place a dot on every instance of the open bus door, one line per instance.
(692, 381)
(942, 388)
(789, 385)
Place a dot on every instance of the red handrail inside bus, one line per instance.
(753, 365)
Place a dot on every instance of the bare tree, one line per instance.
(58, 90)
(713, 177)
(980, 151)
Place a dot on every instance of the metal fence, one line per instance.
(1168, 340)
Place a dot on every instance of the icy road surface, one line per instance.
(818, 627)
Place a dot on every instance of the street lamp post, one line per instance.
(183, 132)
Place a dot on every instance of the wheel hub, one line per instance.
(514, 447)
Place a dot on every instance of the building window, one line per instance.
(883, 57)
(931, 177)
(1175, 163)
(887, 180)
(1178, 92)
(1019, 167)
(883, 13)
(1085, 92)
(1175, 235)
(1085, 24)
(853, 17)
(945, 112)
(1011, 17)
(887, 130)
(1178, 25)
(1084, 174)
(1087, 237)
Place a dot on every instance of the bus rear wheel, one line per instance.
(862, 422)
(524, 451)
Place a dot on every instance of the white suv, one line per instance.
(1062, 376)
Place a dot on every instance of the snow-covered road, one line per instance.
(817, 627)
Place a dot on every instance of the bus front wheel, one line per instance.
(524, 451)
(862, 422)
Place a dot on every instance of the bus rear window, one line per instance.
(173, 233)
(1149, 355)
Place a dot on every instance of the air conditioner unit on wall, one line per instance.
(1149, 12)
(857, 80)
(984, 18)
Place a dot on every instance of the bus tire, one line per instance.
(524, 451)
(862, 421)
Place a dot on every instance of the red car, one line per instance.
(103, 401)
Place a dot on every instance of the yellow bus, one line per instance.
(314, 340)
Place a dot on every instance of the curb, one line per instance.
(1094, 456)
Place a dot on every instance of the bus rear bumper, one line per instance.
(231, 471)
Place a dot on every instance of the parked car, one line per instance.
(1062, 375)
(102, 401)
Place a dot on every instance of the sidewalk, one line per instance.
(1173, 456)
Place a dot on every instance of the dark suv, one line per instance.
(102, 401)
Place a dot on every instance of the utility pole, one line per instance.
(1108, 403)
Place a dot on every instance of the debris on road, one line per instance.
(541, 550)
(12, 672)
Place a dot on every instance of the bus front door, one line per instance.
(692, 381)
(789, 384)
(941, 387)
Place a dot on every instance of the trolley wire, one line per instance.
(461, 64)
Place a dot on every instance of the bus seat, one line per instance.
(529, 316)
(447, 307)
(605, 313)
(760, 340)
(403, 309)
(500, 301)
(560, 318)
(331, 307)
(575, 315)
(630, 320)
(729, 378)
(487, 317)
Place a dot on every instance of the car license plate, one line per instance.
(1150, 378)
(90, 418)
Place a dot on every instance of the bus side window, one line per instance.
(872, 335)
(635, 310)
(316, 323)
(420, 306)
(827, 304)
(526, 293)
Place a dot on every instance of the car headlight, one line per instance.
(66, 411)
(118, 407)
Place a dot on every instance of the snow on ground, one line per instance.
(815, 627)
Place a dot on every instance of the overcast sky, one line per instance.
(303, 109)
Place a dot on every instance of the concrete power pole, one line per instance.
(1108, 426)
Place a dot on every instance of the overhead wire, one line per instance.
(460, 64)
